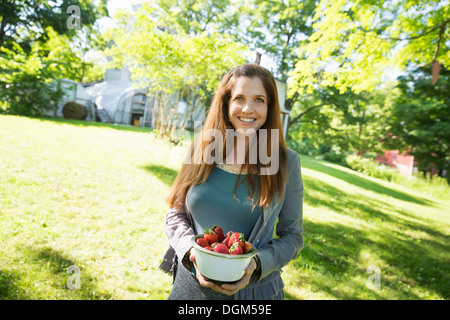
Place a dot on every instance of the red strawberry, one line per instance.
(237, 237)
(219, 231)
(213, 245)
(210, 235)
(221, 248)
(236, 249)
(247, 247)
(209, 248)
(225, 241)
(202, 242)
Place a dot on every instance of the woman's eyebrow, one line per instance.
(243, 94)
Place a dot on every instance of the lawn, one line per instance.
(91, 196)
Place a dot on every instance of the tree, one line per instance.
(27, 82)
(25, 21)
(356, 43)
(420, 119)
(38, 48)
(173, 65)
(277, 28)
(346, 122)
(191, 17)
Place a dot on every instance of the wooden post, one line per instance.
(258, 58)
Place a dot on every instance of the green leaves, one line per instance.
(168, 62)
(421, 119)
(355, 44)
(37, 48)
(173, 64)
(28, 82)
(275, 28)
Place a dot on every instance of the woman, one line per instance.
(238, 194)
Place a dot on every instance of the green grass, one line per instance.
(92, 195)
(352, 222)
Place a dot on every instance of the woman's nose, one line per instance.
(247, 108)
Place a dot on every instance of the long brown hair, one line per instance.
(193, 173)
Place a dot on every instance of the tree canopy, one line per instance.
(356, 43)
(26, 21)
(38, 47)
(172, 62)
(419, 121)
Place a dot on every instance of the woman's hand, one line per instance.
(227, 288)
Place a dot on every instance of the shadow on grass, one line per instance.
(10, 288)
(53, 265)
(361, 182)
(163, 173)
(334, 256)
(330, 259)
(337, 256)
(321, 194)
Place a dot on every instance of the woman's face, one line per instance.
(248, 104)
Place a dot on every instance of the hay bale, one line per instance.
(73, 110)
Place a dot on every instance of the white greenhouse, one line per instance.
(117, 101)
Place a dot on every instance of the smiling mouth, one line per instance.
(247, 120)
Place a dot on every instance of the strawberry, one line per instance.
(219, 231)
(202, 242)
(229, 233)
(221, 248)
(237, 237)
(225, 241)
(247, 247)
(236, 249)
(208, 248)
(210, 235)
(213, 245)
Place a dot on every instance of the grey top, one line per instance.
(212, 203)
(273, 253)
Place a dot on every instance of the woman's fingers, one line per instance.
(227, 288)
(203, 282)
(232, 288)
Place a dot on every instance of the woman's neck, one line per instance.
(236, 156)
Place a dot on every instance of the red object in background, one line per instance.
(403, 162)
(435, 72)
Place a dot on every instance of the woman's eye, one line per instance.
(238, 98)
(259, 100)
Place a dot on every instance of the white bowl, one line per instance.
(218, 266)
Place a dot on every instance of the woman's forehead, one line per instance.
(249, 86)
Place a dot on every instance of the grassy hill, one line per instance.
(91, 195)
